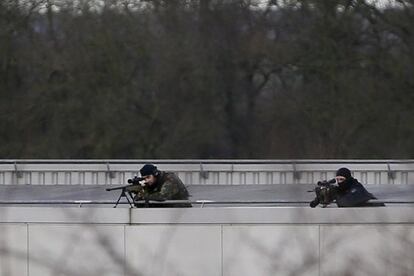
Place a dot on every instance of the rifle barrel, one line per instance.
(120, 188)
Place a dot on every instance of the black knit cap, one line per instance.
(345, 172)
(148, 169)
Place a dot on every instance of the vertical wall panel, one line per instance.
(41, 178)
(61, 177)
(282, 178)
(48, 178)
(13, 249)
(367, 250)
(404, 178)
(81, 178)
(185, 250)
(68, 178)
(229, 178)
(269, 250)
(55, 179)
(187, 179)
(216, 176)
(243, 178)
(94, 178)
(89, 177)
(93, 250)
(222, 177)
(26, 178)
(269, 178)
(121, 178)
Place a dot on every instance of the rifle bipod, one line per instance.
(125, 194)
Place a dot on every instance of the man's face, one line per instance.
(149, 179)
(340, 179)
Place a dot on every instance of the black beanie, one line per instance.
(344, 172)
(148, 169)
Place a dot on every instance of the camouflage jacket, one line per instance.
(167, 187)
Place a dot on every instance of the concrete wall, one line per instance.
(208, 241)
(193, 172)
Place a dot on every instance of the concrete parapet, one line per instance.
(206, 241)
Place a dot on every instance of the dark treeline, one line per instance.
(206, 79)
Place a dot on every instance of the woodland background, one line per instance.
(206, 79)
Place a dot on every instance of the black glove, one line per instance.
(314, 203)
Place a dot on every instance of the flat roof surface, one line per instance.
(205, 195)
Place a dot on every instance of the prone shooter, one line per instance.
(345, 190)
(155, 185)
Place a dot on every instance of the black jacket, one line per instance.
(351, 193)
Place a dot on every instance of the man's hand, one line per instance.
(140, 194)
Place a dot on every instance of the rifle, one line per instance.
(325, 193)
(125, 191)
